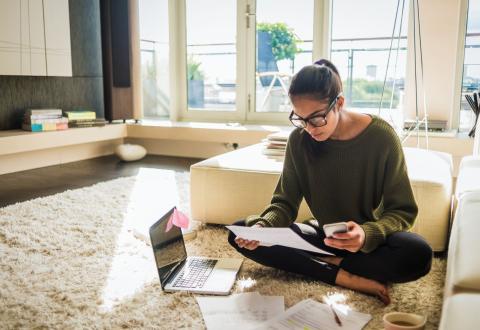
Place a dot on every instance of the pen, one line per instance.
(335, 315)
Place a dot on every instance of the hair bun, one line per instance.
(328, 64)
(320, 62)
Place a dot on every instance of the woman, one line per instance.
(349, 167)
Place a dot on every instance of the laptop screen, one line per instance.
(168, 247)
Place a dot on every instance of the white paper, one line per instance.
(241, 311)
(275, 236)
(310, 314)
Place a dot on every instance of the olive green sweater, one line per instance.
(363, 179)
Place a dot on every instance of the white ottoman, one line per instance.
(231, 186)
(431, 177)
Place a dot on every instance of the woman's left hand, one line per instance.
(351, 241)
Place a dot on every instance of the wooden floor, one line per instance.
(25, 185)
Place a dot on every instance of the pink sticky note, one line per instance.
(178, 219)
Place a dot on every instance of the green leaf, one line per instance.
(283, 40)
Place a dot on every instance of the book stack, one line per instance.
(84, 119)
(276, 143)
(41, 120)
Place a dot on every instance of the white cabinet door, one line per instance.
(35, 38)
(24, 38)
(57, 37)
(10, 37)
(38, 62)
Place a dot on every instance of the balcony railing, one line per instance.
(350, 55)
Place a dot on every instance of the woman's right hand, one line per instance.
(247, 244)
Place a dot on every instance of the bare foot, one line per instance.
(364, 285)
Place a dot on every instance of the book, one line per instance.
(44, 127)
(44, 112)
(60, 120)
(87, 123)
(273, 152)
(281, 136)
(85, 120)
(44, 116)
(275, 144)
(32, 127)
(76, 115)
(62, 126)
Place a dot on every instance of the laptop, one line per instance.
(179, 272)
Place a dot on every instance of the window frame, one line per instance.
(180, 109)
(457, 96)
(245, 112)
(246, 63)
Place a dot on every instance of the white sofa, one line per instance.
(462, 284)
(233, 185)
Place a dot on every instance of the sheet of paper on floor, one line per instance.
(239, 311)
(275, 236)
(310, 314)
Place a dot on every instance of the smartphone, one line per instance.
(333, 228)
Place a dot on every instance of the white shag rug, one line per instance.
(77, 260)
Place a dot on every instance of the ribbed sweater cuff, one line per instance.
(254, 219)
(269, 219)
(373, 237)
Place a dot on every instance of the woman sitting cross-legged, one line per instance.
(349, 167)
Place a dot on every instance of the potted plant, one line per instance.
(280, 38)
(275, 42)
(195, 80)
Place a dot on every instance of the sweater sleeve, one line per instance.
(399, 207)
(283, 208)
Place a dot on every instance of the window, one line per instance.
(284, 40)
(471, 65)
(233, 60)
(211, 54)
(240, 57)
(360, 43)
(155, 62)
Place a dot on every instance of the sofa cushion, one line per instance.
(468, 179)
(463, 270)
(461, 312)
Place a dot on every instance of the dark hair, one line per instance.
(318, 81)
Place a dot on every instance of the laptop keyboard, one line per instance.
(195, 274)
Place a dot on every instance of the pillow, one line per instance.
(130, 152)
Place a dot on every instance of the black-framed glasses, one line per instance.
(315, 119)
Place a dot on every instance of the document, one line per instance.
(240, 311)
(310, 314)
(275, 236)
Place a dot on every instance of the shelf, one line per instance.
(16, 141)
(201, 132)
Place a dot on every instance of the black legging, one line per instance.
(404, 257)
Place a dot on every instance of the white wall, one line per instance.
(442, 45)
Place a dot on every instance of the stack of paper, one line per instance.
(275, 236)
(310, 314)
(251, 310)
(240, 311)
(276, 143)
